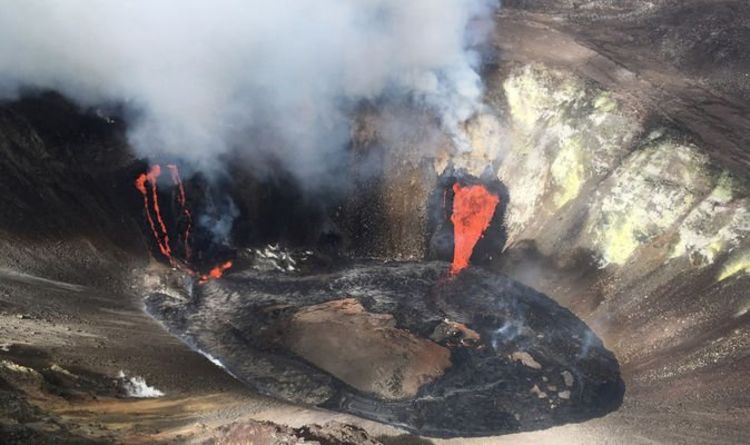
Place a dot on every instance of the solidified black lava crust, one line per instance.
(484, 392)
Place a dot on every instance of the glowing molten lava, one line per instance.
(216, 272)
(158, 228)
(185, 211)
(146, 183)
(473, 208)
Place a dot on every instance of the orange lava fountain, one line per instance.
(473, 208)
(146, 183)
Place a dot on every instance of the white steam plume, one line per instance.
(201, 78)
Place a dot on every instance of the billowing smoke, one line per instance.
(217, 218)
(271, 84)
(200, 79)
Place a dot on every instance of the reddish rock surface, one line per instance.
(365, 350)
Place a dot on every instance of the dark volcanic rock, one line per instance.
(535, 364)
(332, 433)
(335, 433)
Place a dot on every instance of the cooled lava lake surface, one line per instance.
(403, 344)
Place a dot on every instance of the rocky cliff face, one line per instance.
(65, 179)
(700, 38)
(584, 172)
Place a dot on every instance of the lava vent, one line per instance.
(400, 343)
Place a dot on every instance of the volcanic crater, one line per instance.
(405, 344)
(595, 292)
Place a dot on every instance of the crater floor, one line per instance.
(404, 344)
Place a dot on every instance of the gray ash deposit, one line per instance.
(402, 343)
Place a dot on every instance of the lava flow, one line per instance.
(216, 272)
(146, 183)
(185, 211)
(158, 228)
(473, 208)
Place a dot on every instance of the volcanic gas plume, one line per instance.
(146, 183)
(473, 208)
